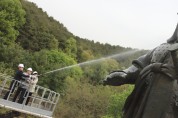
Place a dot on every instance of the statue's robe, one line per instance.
(155, 92)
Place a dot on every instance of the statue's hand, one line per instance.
(115, 78)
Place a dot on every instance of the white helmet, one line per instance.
(35, 72)
(30, 69)
(21, 65)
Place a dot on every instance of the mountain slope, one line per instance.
(43, 32)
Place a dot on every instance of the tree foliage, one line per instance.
(96, 72)
(11, 19)
(41, 31)
(116, 103)
(47, 61)
(71, 47)
(83, 100)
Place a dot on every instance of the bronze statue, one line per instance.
(155, 77)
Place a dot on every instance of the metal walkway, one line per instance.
(42, 102)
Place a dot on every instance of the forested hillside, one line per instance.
(29, 36)
(43, 32)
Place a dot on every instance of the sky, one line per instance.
(141, 24)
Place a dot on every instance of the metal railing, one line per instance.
(42, 102)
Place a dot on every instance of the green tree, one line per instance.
(116, 103)
(95, 72)
(82, 100)
(71, 47)
(13, 55)
(47, 61)
(86, 55)
(41, 31)
(11, 19)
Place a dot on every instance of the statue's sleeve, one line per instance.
(137, 65)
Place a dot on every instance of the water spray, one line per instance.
(123, 55)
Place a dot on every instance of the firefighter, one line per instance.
(18, 76)
(32, 84)
(22, 89)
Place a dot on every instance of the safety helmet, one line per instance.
(29, 69)
(35, 72)
(21, 66)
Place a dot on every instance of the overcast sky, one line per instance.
(142, 24)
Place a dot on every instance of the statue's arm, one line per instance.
(129, 75)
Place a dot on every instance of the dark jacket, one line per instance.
(20, 75)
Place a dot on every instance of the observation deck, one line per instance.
(42, 102)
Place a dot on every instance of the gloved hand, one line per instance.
(30, 76)
(40, 75)
(115, 78)
(28, 80)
